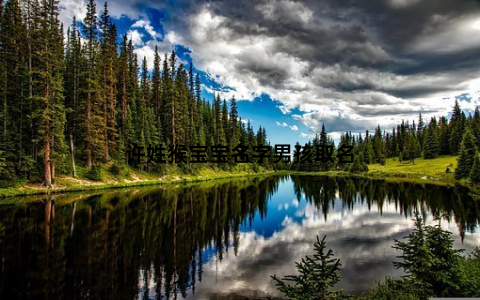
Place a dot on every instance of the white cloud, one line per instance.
(282, 62)
(147, 26)
(70, 9)
(306, 135)
(136, 37)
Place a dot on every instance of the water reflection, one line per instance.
(213, 240)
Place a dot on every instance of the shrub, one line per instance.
(115, 169)
(318, 273)
(95, 173)
(429, 260)
(475, 172)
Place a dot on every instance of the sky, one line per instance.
(295, 65)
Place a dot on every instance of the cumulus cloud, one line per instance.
(136, 37)
(348, 65)
(147, 26)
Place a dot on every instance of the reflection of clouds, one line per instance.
(295, 202)
(361, 238)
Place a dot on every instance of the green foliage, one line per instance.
(468, 152)
(116, 169)
(430, 261)
(430, 146)
(470, 271)
(457, 125)
(396, 289)
(475, 173)
(317, 275)
(358, 165)
(95, 173)
(433, 268)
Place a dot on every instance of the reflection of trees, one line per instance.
(450, 203)
(116, 245)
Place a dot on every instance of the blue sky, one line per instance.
(294, 66)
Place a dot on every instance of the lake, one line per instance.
(214, 240)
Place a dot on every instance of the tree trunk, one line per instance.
(173, 122)
(124, 101)
(46, 145)
(105, 113)
(73, 156)
(52, 162)
(88, 131)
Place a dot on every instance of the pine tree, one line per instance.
(476, 126)
(16, 101)
(73, 65)
(475, 172)
(168, 108)
(420, 131)
(430, 147)
(48, 68)
(156, 82)
(467, 155)
(94, 121)
(234, 125)
(107, 65)
(443, 136)
(358, 165)
(318, 274)
(457, 125)
(378, 146)
(429, 260)
(122, 83)
(225, 123)
(325, 166)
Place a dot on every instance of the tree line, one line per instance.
(84, 96)
(459, 135)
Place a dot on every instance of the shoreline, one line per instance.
(171, 179)
(421, 172)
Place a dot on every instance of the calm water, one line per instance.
(214, 240)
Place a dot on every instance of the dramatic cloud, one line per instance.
(348, 64)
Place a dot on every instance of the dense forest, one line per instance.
(81, 97)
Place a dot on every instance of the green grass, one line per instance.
(421, 171)
(432, 170)
(132, 178)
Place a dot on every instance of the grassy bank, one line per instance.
(129, 178)
(431, 171)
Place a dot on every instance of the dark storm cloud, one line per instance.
(375, 35)
(320, 55)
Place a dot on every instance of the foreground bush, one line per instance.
(318, 274)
